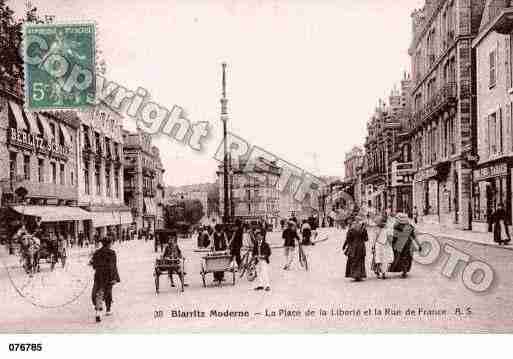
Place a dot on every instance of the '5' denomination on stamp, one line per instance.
(60, 65)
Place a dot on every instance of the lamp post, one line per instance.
(224, 119)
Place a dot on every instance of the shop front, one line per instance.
(434, 194)
(491, 186)
(108, 221)
(62, 220)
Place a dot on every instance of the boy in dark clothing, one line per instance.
(106, 274)
(262, 252)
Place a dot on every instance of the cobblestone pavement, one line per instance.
(349, 306)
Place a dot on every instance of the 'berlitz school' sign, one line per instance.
(37, 143)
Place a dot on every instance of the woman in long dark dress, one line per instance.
(354, 249)
(500, 226)
(219, 243)
(404, 243)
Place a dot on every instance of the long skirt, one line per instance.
(500, 232)
(402, 261)
(355, 268)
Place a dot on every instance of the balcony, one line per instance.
(445, 98)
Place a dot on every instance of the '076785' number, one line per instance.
(27, 347)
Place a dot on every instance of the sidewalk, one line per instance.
(485, 239)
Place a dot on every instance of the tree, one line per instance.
(189, 211)
(213, 200)
(11, 62)
(193, 211)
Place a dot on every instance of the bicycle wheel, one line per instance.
(302, 258)
(244, 263)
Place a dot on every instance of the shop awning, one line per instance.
(102, 219)
(54, 213)
(32, 120)
(18, 116)
(66, 135)
(47, 131)
(125, 218)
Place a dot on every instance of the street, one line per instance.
(319, 300)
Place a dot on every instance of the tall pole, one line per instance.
(224, 118)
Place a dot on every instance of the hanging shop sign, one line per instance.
(34, 142)
(497, 170)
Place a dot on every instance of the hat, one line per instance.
(402, 218)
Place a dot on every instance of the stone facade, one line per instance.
(38, 152)
(100, 183)
(492, 176)
(143, 187)
(443, 134)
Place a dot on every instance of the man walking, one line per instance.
(236, 242)
(290, 237)
(262, 252)
(106, 274)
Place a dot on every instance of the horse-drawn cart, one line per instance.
(169, 266)
(220, 261)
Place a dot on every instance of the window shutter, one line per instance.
(507, 60)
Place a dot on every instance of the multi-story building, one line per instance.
(442, 130)
(382, 142)
(189, 193)
(493, 51)
(100, 169)
(38, 161)
(142, 178)
(160, 189)
(352, 174)
(253, 194)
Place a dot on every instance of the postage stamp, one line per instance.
(60, 61)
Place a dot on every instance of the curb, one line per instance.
(449, 237)
(492, 245)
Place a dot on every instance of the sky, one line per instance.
(303, 76)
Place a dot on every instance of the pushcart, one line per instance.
(169, 266)
(220, 261)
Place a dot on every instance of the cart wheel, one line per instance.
(157, 275)
(203, 277)
(180, 275)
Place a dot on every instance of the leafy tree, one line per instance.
(189, 211)
(213, 200)
(11, 62)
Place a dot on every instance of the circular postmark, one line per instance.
(51, 287)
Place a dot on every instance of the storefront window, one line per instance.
(54, 172)
(116, 183)
(62, 174)
(86, 177)
(97, 179)
(477, 215)
(107, 181)
(26, 167)
(12, 165)
(40, 169)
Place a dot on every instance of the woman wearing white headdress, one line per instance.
(382, 249)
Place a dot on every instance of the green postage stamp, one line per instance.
(60, 65)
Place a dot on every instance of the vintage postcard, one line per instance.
(256, 167)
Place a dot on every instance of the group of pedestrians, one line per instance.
(393, 245)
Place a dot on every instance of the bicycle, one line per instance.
(248, 264)
(303, 259)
